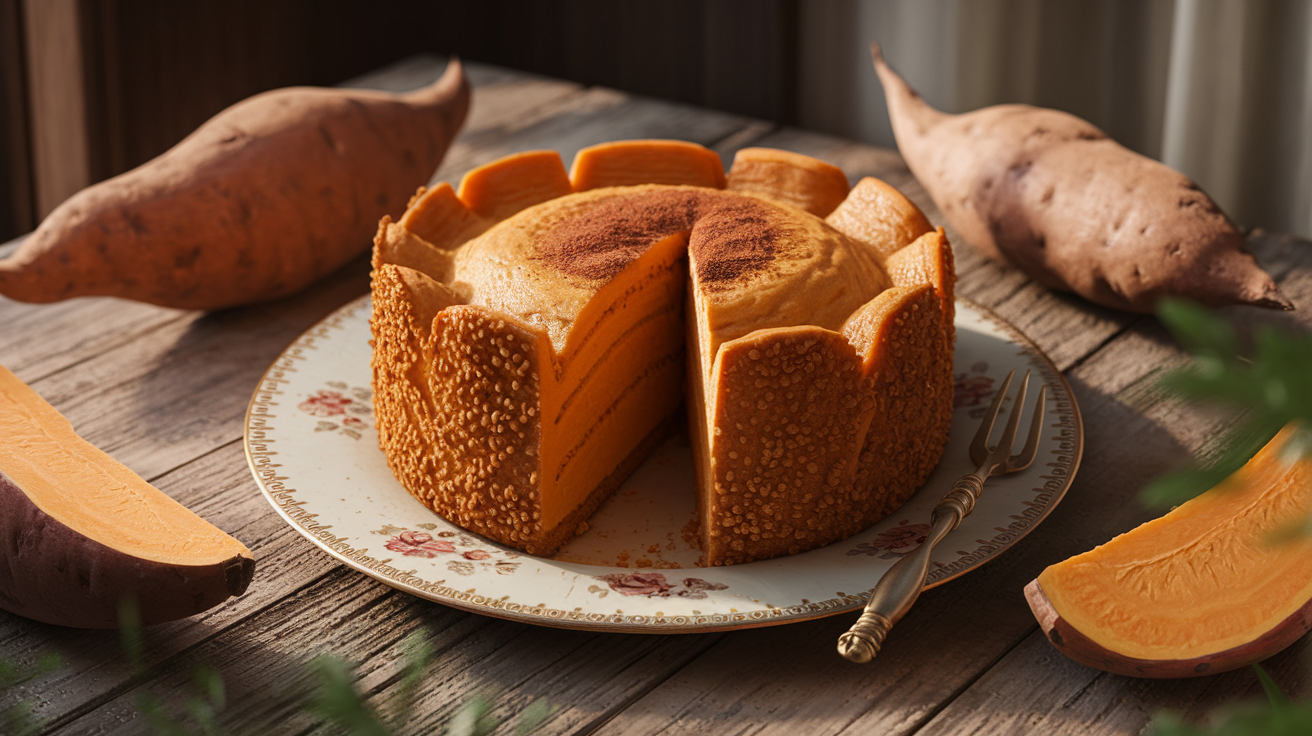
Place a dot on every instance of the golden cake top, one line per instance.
(757, 263)
(524, 238)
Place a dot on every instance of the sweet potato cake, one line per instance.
(536, 332)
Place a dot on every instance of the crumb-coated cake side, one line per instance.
(535, 332)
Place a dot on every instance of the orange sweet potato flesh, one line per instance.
(80, 532)
(266, 197)
(1201, 590)
(627, 163)
(1054, 196)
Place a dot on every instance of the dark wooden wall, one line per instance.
(17, 209)
(151, 71)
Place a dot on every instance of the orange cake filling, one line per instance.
(616, 381)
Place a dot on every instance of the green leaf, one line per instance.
(1238, 447)
(18, 720)
(1197, 328)
(418, 655)
(1178, 487)
(1274, 695)
(532, 717)
(1299, 444)
(1290, 532)
(158, 717)
(1251, 720)
(210, 684)
(337, 700)
(474, 718)
(129, 632)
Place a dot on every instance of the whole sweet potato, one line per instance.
(1053, 195)
(260, 201)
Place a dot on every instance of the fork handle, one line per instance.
(898, 589)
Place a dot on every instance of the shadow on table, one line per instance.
(791, 676)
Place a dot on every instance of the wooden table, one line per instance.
(165, 392)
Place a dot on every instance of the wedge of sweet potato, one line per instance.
(80, 532)
(1054, 196)
(1205, 589)
(266, 197)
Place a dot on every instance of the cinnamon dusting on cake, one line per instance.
(730, 236)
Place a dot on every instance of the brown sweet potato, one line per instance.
(260, 201)
(1054, 196)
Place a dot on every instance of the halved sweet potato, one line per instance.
(1201, 590)
(80, 531)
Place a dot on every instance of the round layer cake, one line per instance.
(536, 333)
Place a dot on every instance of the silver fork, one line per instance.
(892, 597)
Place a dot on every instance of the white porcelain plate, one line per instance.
(311, 443)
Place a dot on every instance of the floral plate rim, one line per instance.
(281, 497)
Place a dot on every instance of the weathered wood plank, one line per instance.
(1078, 699)
(181, 391)
(219, 488)
(595, 116)
(586, 677)
(37, 340)
(1034, 689)
(785, 680)
(782, 681)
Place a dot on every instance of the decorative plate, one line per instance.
(311, 443)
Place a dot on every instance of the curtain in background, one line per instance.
(1219, 89)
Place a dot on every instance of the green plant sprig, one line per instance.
(1277, 717)
(17, 720)
(336, 698)
(1273, 385)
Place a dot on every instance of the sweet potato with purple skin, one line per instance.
(1054, 196)
(266, 197)
(79, 531)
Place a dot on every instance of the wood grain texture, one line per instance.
(594, 116)
(1080, 700)
(39, 340)
(1134, 432)
(166, 391)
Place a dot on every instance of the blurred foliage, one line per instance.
(336, 699)
(1278, 717)
(1271, 382)
(17, 720)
